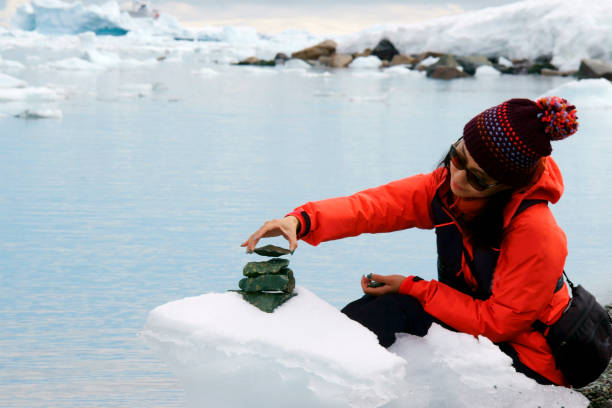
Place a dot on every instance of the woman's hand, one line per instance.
(287, 227)
(391, 284)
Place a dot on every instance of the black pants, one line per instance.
(394, 313)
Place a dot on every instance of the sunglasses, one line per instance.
(460, 163)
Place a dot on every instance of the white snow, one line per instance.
(485, 71)
(504, 62)
(403, 70)
(520, 30)
(429, 61)
(296, 63)
(525, 29)
(308, 354)
(586, 93)
(10, 66)
(369, 62)
(206, 72)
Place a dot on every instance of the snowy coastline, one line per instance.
(520, 30)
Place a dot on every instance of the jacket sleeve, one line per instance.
(398, 205)
(532, 257)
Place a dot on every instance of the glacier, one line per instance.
(308, 354)
(519, 30)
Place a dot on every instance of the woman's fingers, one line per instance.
(391, 284)
(271, 228)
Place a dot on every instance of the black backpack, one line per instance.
(581, 339)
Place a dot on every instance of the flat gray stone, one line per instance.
(271, 250)
(264, 268)
(283, 282)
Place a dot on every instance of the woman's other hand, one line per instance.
(391, 284)
(287, 227)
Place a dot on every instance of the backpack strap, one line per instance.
(525, 204)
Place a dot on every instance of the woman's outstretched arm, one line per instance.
(401, 204)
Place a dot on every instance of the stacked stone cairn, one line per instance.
(268, 284)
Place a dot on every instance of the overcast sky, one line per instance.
(316, 16)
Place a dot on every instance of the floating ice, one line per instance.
(308, 354)
(485, 71)
(7, 81)
(29, 94)
(586, 93)
(296, 63)
(205, 72)
(369, 62)
(305, 354)
(403, 70)
(40, 114)
(72, 64)
(11, 66)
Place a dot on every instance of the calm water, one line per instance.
(129, 202)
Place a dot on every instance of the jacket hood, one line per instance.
(548, 187)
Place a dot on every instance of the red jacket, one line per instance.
(531, 260)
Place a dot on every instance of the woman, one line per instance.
(500, 252)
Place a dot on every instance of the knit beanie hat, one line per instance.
(508, 140)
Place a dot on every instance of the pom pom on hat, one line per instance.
(558, 116)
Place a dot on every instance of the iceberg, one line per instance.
(586, 93)
(308, 354)
(30, 94)
(7, 81)
(56, 17)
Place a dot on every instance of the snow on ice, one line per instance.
(586, 93)
(309, 354)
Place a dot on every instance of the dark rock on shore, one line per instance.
(280, 58)
(325, 48)
(553, 72)
(448, 66)
(471, 62)
(401, 59)
(257, 62)
(385, 50)
(540, 63)
(365, 53)
(599, 392)
(444, 72)
(335, 60)
(591, 68)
